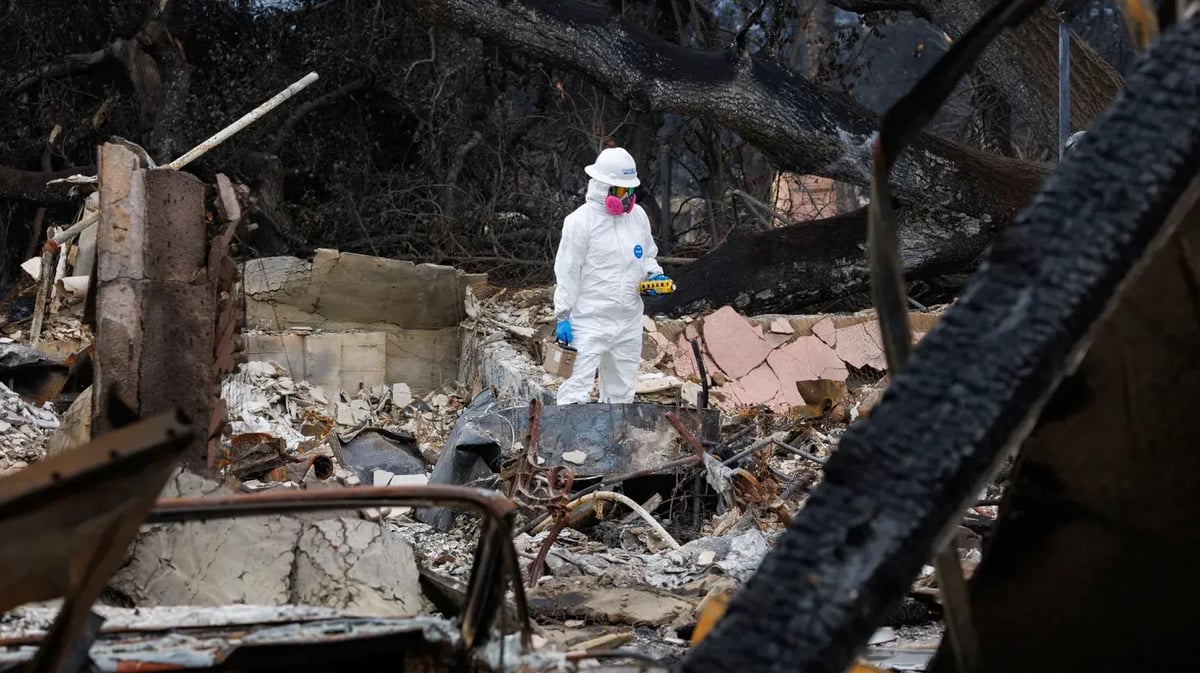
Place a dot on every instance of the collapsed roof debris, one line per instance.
(24, 431)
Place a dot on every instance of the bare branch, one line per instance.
(739, 42)
(31, 185)
(72, 63)
(289, 126)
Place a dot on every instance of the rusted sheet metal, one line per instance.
(66, 522)
(55, 513)
(496, 567)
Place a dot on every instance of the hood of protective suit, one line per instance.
(596, 193)
(600, 261)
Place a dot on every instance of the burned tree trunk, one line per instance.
(789, 269)
(1023, 63)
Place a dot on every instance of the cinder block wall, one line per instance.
(381, 320)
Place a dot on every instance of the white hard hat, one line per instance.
(614, 167)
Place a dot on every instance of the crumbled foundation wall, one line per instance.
(343, 562)
(414, 310)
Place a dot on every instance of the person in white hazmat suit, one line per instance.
(606, 251)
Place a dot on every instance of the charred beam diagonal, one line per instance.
(974, 385)
(800, 126)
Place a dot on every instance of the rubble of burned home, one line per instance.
(631, 523)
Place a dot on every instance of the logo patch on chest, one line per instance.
(637, 251)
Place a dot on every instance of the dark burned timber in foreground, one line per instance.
(975, 385)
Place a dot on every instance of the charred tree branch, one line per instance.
(789, 269)
(798, 125)
(740, 42)
(72, 63)
(289, 125)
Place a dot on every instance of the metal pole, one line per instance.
(1064, 85)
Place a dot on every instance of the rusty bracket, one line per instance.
(687, 435)
(542, 488)
(495, 556)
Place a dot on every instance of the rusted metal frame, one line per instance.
(682, 462)
(148, 448)
(687, 435)
(542, 488)
(702, 401)
(495, 554)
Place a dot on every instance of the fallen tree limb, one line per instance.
(789, 269)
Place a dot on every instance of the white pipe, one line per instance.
(246, 120)
(617, 497)
(199, 150)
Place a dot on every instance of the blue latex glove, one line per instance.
(562, 331)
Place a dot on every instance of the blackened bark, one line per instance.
(793, 268)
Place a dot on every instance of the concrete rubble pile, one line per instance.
(24, 431)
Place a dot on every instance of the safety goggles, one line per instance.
(620, 192)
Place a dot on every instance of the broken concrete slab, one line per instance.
(417, 307)
(861, 346)
(685, 361)
(358, 566)
(781, 326)
(759, 387)
(735, 345)
(826, 331)
(560, 599)
(271, 560)
(805, 359)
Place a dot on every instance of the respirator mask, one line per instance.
(620, 200)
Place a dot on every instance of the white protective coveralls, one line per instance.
(601, 260)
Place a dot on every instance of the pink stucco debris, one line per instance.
(861, 346)
(758, 387)
(826, 331)
(685, 361)
(805, 359)
(734, 343)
